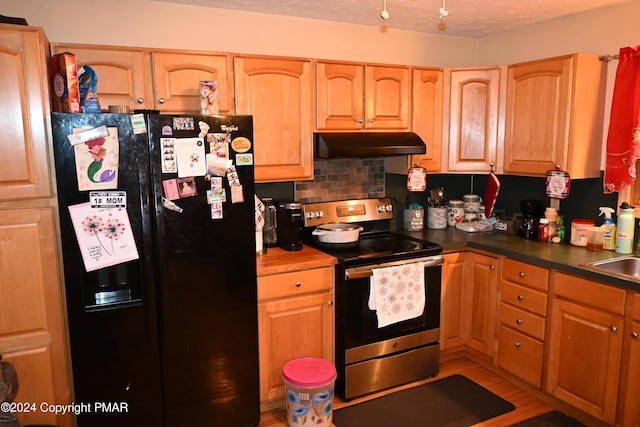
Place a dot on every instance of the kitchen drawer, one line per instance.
(635, 306)
(295, 283)
(523, 321)
(521, 355)
(524, 298)
(525, 274)
(595, 294)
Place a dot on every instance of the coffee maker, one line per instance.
(289, 216)
(531, 211)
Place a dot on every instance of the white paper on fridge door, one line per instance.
(190, 156)
(104, 236)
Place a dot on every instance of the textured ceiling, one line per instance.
(466, 18)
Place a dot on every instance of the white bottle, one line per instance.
(625, 229)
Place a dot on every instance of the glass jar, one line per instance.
(543, 230)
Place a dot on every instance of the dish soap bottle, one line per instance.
(610, 226)
(626, 227)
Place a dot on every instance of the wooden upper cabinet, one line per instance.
(163, 80)
(123, 75)
(554, 116)
(278, 92)
(177, 76)
(427, 116)
(357, 97)
(473, 119)
(24, 113)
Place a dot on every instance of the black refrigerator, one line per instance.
(167, 336)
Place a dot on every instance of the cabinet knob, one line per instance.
(520, 298)
(329, 303)
(370, 120)
(360, 120)
(519, 321)
(140, 100)
(492, 267)
(634, 335)
(614, 329)
(521, 274)
(161, 100)
(298, 284)
(517, 344)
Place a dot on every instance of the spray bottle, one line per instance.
(610, 226)
(625, 230)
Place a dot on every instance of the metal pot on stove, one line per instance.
(337, 232)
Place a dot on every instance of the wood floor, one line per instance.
(526, 404)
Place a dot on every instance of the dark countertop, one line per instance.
(562, 257)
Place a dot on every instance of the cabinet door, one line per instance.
(388, 98)
(123, 77)
(24, 115)
(339, 93)
(482, 282)
(290, 328)
(594, 337)
(631, 417)
(278, 93)
(537, 104)
(453, 316)
(31, 321)
(177, 76)
(427, 116)
(473, 119)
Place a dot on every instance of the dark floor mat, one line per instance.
(454, 401)
(551, 419)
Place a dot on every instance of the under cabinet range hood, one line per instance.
(366, 144)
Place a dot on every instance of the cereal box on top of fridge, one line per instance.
(64, 83)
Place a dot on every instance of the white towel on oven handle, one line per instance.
(397, 293)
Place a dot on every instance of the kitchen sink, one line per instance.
(626, 266)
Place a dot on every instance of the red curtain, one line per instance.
(623, 141)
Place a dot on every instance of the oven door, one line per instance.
(360, 323)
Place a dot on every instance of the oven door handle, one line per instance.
(361, 272)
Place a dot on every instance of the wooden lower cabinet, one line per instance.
(585, 345)
(482, 281)
(453, 316)
(629, 404)
(295, 319)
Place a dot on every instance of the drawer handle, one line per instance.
(298, 284)
(519, 321)
(634, 335)
(614, 329)
(517, 344)
(521, 274)
(140, 100)
(520, 298)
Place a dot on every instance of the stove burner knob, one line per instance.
(388, 208)
(380, 208)
(319, 214)
(310, 215)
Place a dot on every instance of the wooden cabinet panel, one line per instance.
(295, 283)
(590, 293)
(427, 115)
(554, 116)
(521, 355)
(177, 76)
(388, 97)
(339, 94)
(31, 319)
(526, 274)
(278, 93)
(123, 74)
(482, 279)
(473, 119)
(24, 114)
(595, 337)
(453, 315)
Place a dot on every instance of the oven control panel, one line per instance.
(357, 210)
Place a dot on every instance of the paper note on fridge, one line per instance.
(104, 236)
(190, 157)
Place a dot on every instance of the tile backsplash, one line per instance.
(340, 179)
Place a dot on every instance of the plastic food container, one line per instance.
(579, 231)
(309, 385)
